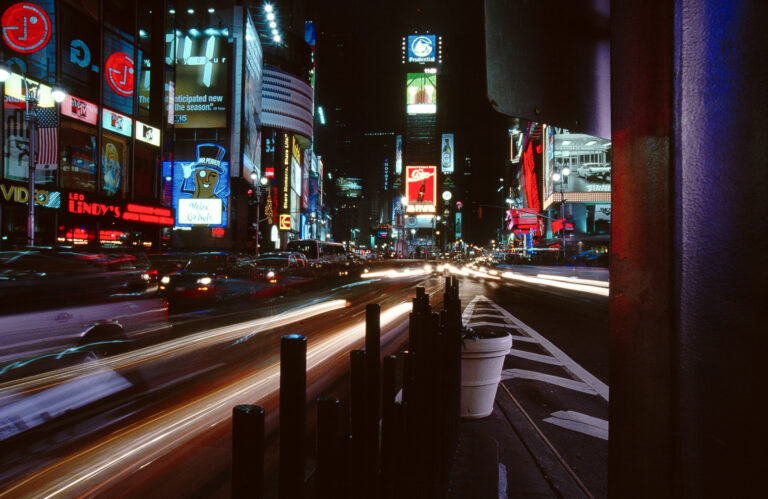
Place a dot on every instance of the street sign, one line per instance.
(285, 222)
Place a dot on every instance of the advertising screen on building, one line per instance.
(422, 48)
(29, 36)
(446, 153)
(398, 155)
(349, 187)
(588, 160)
(421, 188)
(201, 188)
(421, 93)
(252, 103)
(201, 78)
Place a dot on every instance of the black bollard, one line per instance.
(389, 428)
(372, 392)
(330, 456)
(247, 451)
(293, 387)
(358, 478)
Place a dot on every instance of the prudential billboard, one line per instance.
(422, 48)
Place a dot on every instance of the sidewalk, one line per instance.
(503, 455)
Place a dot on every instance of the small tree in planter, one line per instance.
(482, 358)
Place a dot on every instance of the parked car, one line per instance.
(56, 299)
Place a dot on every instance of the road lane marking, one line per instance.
(581, 423)
(571, 384)
(536, 357)
(569, 364)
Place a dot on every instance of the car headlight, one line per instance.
(270, 274)
(204, 281)
(165, 279)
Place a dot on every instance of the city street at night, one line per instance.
(430, 249)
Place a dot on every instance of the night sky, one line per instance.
(378, 28)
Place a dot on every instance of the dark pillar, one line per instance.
(688, 270)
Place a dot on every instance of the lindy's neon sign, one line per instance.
(78, 204)
(132, 212)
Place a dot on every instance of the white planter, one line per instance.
(481, 364)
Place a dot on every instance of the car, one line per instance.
(209, 278)
(283, 267)
(54, 299)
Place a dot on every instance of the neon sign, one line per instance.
(79, 204)
(26, 27)
(119, 72)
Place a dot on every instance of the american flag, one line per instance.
(47, 138)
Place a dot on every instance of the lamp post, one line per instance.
(31, 99)
(557, 177)
(258, 186)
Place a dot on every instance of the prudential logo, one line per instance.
(421, 48)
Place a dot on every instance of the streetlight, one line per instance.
(258, 186)
(31, 99)
(556, 177)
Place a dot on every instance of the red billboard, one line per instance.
(421, 188)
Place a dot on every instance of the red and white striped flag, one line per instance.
(47, 138)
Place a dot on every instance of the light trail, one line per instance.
(94, 468)
(574, 279)
(394, 273)
(596, 290)
(186, 343)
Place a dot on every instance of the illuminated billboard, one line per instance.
(588, 160)
(201, 188)
(421, 189)
(349, 187)
(398, 155)
(200, 95)
(252, 103)
(421, 93)
(422, 48)
(446, 155)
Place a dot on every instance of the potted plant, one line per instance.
(482, 358)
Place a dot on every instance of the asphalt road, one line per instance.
(558, 367)
(156, 420)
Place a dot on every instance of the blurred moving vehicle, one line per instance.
(168, 263)
(53, 299)
(211, 277)
(327, 258)
(283, 267)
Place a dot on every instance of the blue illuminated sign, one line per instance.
(422, 48)
(201, 188)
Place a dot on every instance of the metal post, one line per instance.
(30, 116)
(248, 451)
(329, 445)
(357, 413)
(293, 382)
(389, 427)
(258, 205)
(562, 211)
(372, 377)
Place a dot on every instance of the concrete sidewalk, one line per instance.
(504, 455)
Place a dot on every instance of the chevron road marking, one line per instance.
(571, 384)
(582, 423)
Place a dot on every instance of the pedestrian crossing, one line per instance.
(482, 313)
